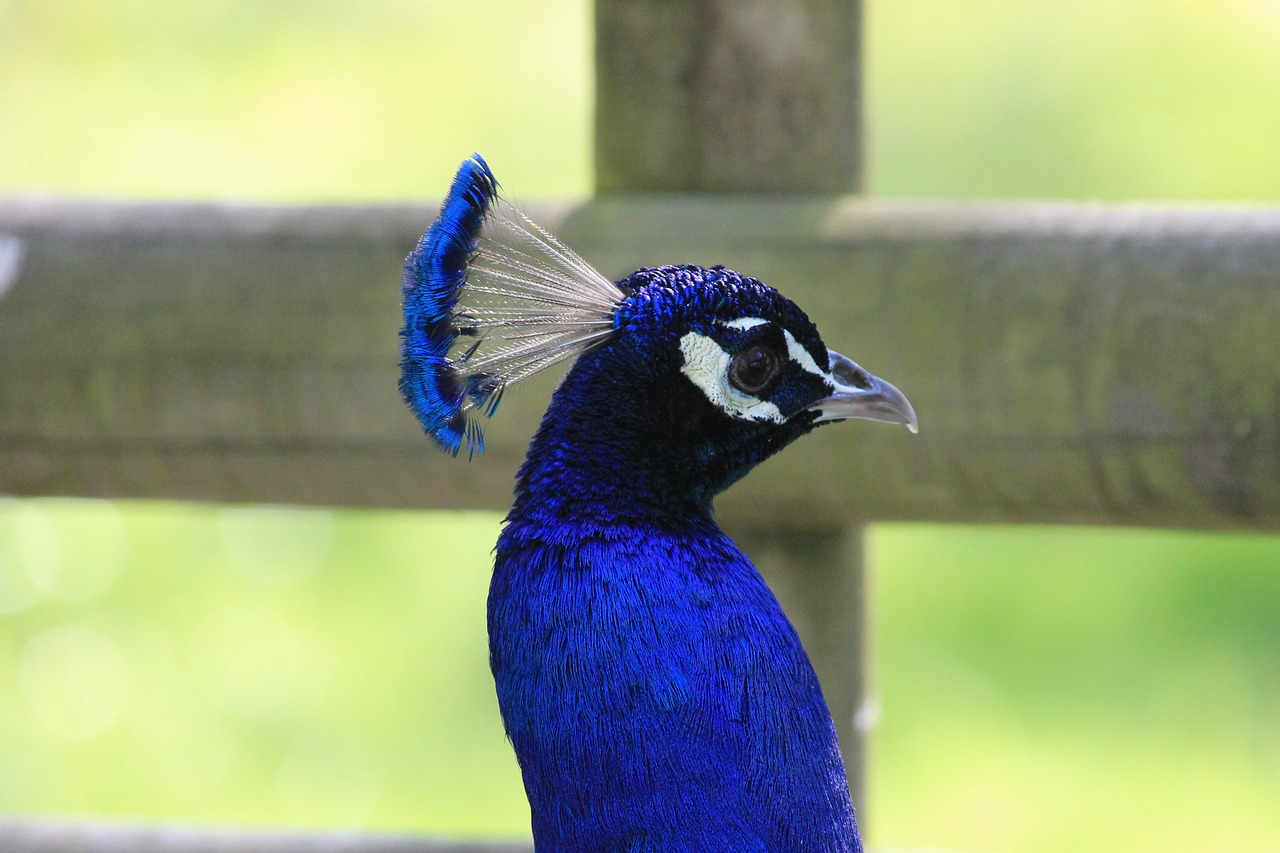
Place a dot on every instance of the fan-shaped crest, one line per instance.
(490, 298)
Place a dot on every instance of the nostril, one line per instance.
(850, 374)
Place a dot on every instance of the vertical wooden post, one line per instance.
(749, 97)
(728, 96)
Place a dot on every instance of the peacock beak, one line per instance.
(858, 394)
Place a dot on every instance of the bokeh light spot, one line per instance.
(75, 548)
(262, 665)
(17, 590)
(274, 545)
(74, 681)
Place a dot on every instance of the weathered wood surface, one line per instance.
(728, 96)
(31, 836)
(1069, 363)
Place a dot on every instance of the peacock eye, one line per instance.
(753, 369)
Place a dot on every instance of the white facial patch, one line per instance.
(801, 357)
(707, 366)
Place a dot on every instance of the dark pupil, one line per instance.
(752, 369)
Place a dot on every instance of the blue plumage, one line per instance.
(433, 276)
(656, 696)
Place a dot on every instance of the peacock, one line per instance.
(656, 696)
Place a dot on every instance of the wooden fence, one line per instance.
(1070, 363)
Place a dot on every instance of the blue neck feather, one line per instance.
(655, 693)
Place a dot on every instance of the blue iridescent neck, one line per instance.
(627, 438)
(615, 449)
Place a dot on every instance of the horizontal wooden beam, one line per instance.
(48, 836)
(1069, 363)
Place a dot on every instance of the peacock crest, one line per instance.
(490, 299)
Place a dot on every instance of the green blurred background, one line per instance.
(1040, 690)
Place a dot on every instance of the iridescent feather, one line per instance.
(490, 298)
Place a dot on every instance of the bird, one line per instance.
(656, 696)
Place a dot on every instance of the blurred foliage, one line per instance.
(310, 100)
(1089, 99)
(292, 100)
(268, 665)
(1041, 690)
(1075, 689)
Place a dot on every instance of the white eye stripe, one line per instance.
(743, 323)
(707, 366)
(801, 357)
(798, 354)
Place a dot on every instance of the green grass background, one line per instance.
(1040, 690)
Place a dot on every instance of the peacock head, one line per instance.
(490, 299)
(751, 352)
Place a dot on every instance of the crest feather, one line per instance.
(490, 298)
